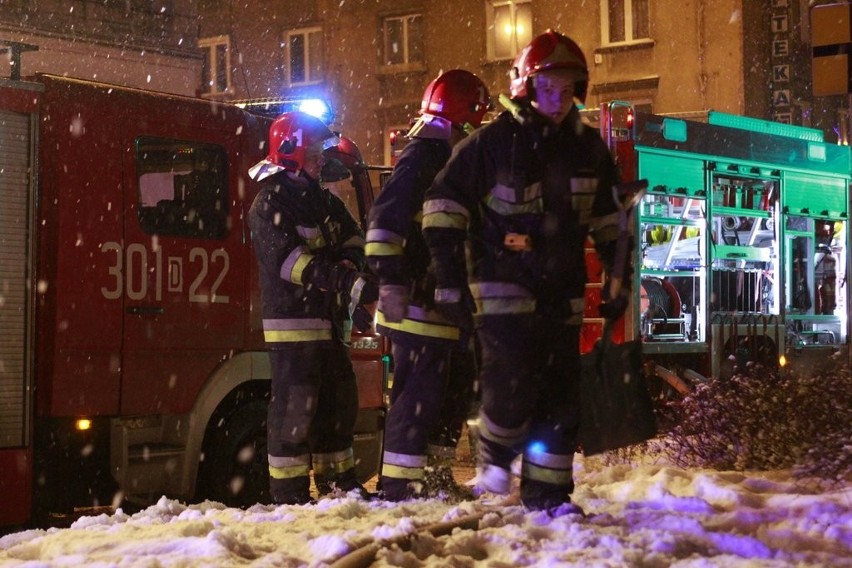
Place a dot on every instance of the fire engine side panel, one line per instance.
(189, 313)
(81, 209)
(727, 202)
(129, 320)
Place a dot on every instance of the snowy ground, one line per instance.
(636, 515)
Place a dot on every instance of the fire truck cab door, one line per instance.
(185, 257)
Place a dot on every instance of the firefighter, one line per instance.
(524, 192)
(434, 367)
(309, 251)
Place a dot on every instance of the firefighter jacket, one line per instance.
(396, 251)
(528, 193)
(301, 234)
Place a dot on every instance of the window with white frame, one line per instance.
(403, 39)
(624, 21)
(303, 56)
(509, 27)
(216, 67)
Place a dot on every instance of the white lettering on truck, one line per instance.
(128, 270)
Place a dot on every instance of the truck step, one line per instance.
(154, 451)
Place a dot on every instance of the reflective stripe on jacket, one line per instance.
(551, 186)
(396, 251)
(289, 330)
(420, 321)
(297, 225)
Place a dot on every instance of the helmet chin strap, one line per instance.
(300, 177)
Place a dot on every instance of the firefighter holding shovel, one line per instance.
(522, 194)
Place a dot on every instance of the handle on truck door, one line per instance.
(146, 310)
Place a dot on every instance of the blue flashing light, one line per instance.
(317, 108)
(275, 106)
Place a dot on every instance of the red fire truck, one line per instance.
(742, 243)
(132, 362)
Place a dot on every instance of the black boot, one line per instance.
(294, 499)
(396, 489)
(346, 482)
(541, 496)
(293, 491)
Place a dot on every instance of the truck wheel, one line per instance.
(235, 471)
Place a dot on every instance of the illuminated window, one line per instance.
(403, 39)
(303, 54)
(509, 27)
(216, 67)
(183, 188)
(624, 21)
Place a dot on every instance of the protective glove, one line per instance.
(362, 287)
(612, 309)
(393, 302)
(362, 319)
(456, 305)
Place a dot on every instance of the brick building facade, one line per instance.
(372, 58)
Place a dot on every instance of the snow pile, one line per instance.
(636, 515)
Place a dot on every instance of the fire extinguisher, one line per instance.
(826, 291)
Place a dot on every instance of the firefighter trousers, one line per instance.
(312, 410)
(430, 401)
(530, 382)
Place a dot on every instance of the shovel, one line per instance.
(617, 410)
(616, 407)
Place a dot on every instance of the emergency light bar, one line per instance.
(274, 107)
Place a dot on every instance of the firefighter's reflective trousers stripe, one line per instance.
(312, 410)
(402, 466)
(417, 416)
(530, 396)
(332, 464)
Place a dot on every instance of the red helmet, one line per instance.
(289, 136)
(550, 50)
(458, 96)
(341, 160)
(347, 152)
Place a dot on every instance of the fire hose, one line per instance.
(365, 555)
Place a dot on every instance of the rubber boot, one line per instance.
(293, 491)
(341, 483)
(541, 496)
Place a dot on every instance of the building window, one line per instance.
(303, 54)
(624, 21)
(216, 68)
(509, 27)
(403, 39)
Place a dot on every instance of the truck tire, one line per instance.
(235, 470)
